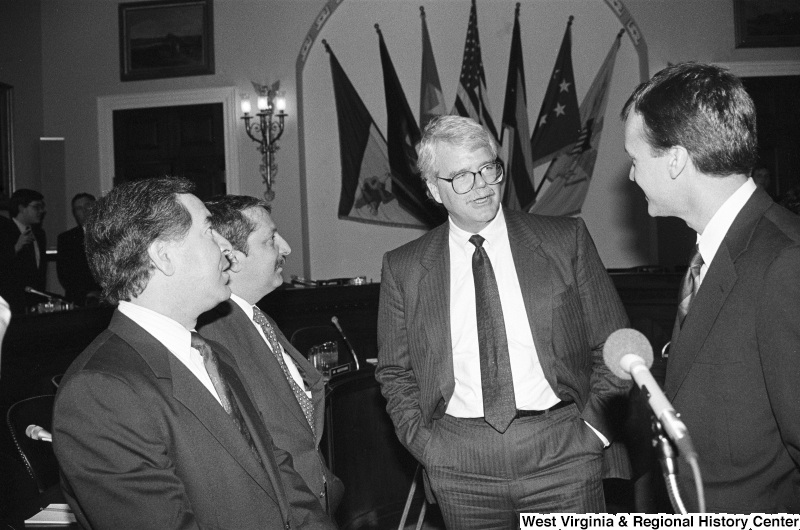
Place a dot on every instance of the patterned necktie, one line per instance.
(499, 405)
(690, 285)
(302, 398)
(223, 390)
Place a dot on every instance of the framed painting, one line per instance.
(767, 23)
(166, 38)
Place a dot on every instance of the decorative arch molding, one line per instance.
(106, 105)
(617, 7)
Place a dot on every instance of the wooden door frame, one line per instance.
(106, 105)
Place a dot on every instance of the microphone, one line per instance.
(341, 332)
(628, 353)
(49, 296)
(34, 432)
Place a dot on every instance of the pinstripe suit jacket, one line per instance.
(571, 303)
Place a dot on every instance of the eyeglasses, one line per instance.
(463, 182)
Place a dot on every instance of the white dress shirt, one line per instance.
(248, 310)
(22, 228)
(176, 338)
(714, 232)
(531, 389)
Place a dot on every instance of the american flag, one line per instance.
(471, 98)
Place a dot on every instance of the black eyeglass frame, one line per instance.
(499, 178)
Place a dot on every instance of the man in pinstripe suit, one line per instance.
(557, 306)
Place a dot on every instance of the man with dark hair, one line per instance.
(23, 246)
(288, 390)
(154, 426)
(734, 359)
(490, 336)
(71, 265)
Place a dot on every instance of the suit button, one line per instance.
(322, 494)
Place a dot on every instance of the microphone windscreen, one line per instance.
(622, 342)
(30, 430)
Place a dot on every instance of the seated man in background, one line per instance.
(287, 389)
(23, 246)
(71, 265)
(153, 426)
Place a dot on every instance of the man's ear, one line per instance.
(161, 255)
(678, 160)
(433, 189)
(235, 258)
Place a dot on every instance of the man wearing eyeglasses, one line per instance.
(490, 336)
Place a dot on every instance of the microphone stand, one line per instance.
(669, 467)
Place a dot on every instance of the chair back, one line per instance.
(37, 456)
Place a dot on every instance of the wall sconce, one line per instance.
(265, 131)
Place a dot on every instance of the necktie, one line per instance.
(223, 390)
(499, 405)
(302, 398)
(690, 284)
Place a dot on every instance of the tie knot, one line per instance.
(200, 344)
(477, 241)
(258, 316)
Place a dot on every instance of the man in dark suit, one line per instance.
(277, 382)
(153, 426)
(490, 336)
(71, 265)
(23, 247)
(734, 360)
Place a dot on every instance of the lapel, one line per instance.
(535, 281)
(434, 304)
(719, 281)
(187, 390)
(251, 341)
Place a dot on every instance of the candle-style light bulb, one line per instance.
(263, 103)
(246, 106)
(280, 103)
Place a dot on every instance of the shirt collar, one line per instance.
(714, 232)
(491, 232)
(168, 332)
(244, 304)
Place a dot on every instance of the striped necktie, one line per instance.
(690, 285)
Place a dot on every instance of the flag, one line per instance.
(571, 174)
(519, 189)
(471, 97)
(368, 185)
(403, 135)
(431, 97)
(559, 123)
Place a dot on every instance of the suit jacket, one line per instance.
(18, 270)
(141, 443)
(229, 325)
(734, 367)
(571, 303)
(73, 268)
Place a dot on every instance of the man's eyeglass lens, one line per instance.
(465, 181)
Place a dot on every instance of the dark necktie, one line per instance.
(499, 405)
(302, 398)
(223, 390)
(690, 285)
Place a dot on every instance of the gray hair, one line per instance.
(456, 131)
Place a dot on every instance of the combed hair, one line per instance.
(228, 219)
(703, 108)
(456, 131)
(22, 198)
(122, 226)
